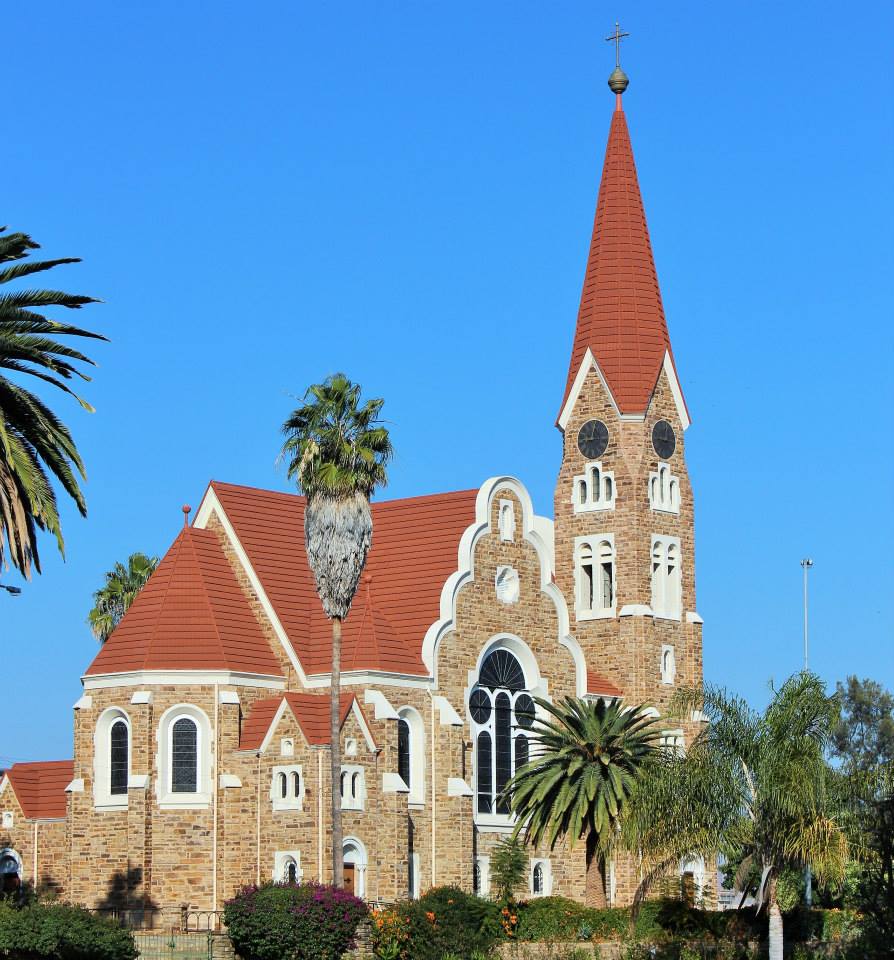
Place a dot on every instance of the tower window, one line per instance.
(666, 581)
(594, 489)
(184, 756)
(668, 664)
(352, 788)
(664, 490)
(595, 574)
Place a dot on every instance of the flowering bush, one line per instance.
(449, 920)
(304, 921)
(390, 934)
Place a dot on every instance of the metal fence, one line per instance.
(175, 946)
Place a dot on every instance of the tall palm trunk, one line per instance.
(776, 938)
(338, 872)
(595, 880)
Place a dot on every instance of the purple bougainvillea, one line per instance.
(303, 921)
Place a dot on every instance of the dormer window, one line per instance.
(664, 490)
(595, 576)
(594, 489)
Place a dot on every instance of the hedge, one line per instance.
(61, 932)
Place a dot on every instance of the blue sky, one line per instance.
(264, 193)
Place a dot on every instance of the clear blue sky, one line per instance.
(265, 193)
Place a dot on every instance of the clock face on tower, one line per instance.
(663, 439)
(592, 439)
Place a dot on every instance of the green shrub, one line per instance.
(508, 867)
(305, 921)
(449, 920)
(61, 932)
(548, 919)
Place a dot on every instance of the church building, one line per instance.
(201, 738)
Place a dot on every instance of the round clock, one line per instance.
(664, 440)
(592, 439)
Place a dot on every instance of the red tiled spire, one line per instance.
(621, 319)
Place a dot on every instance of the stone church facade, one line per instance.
(201, 739)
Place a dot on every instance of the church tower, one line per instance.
(625, 551)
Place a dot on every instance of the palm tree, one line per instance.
(337, 451)
(586, 760)
(752, 785)
(123, 583)
(32, 439)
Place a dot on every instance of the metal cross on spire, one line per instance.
(617, 36)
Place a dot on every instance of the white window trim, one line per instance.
(8, 820)
(660, 480)
(416, 785)
(290, 801)
(103, 798)
(669, 674)
(547, 872)
(483, 864)
(673, 741)
(201, 798)
(281, 861)
(600, 501)
(287, 747)
(593, 541)
(664, 608)
(355, 802)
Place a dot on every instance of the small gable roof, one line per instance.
(600, 686)
(191, 615)
(311, 711)
(415, 549)
(40, 787)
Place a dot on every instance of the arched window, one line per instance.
(184, 756)
(111, 759)
(502, 713)
(283, 785)
(344, 780)
(285, 788)
(595, 577)
(119, 757)
(540, 878)
(296, 784)
(403, 750)
(666, 592)
(537, 880)
(292, 872)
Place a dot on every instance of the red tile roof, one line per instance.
(191, 615)
(600, 686)
(621, 318)
(40, 787)
(414, 550)
(311, 710)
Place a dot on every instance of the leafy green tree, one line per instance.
(122, 584)
(586, 760)
(508, 865)
(754, 786)
(337, 451)
(863, 738)
(34, 442)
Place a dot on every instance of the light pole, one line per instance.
(806, 564)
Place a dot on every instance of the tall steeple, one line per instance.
(621, 317)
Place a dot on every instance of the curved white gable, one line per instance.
(535, 530)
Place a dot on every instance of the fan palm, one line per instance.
(587, 759)
(33, 440)
(753, 785)
(123, 583)
(337, 451)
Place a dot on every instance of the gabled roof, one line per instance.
(601, 687)
(191, 615)
(621, 317)
(415, 549)
(309, 709)
(40, 787)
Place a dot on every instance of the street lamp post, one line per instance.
(806, 564)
